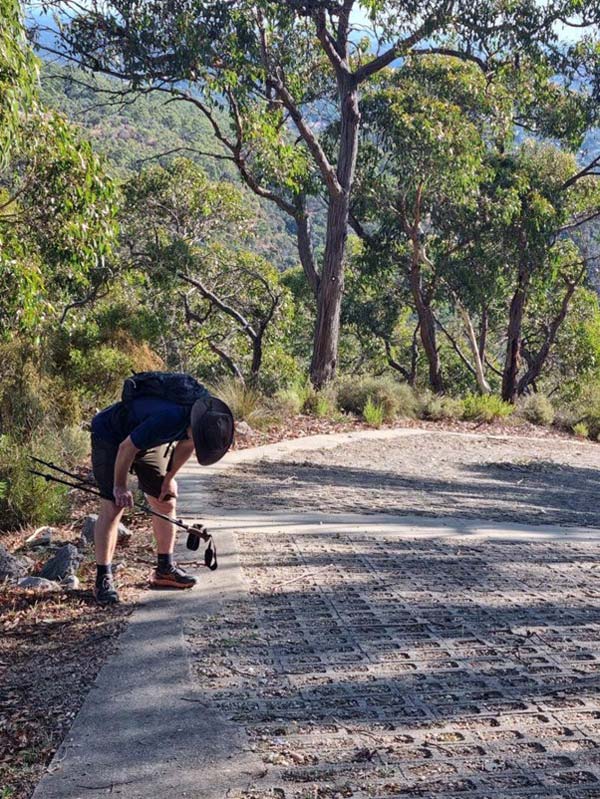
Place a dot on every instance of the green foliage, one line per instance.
(28, 500)
(18, 74)
(393, 397)
(584, 409)
(486, 408)
(289, 401)
(537, 409)
(581, 430)
(57, 223)
(373, 413)
(319, 403)
(440, 408)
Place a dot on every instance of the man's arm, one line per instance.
(125, 456)
(182, 452)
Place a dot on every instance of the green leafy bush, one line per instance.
(583, 409)
(27, 499)
(438, 409)
(537, 409)
(581, 430)
(373, 413)
(289, 401)
(485, 408)
(319, 403)
(393, 397)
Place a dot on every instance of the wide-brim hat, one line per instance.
(212, 429)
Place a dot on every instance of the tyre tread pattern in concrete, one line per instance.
(366, 665)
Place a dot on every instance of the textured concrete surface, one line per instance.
(145, 730)
(386, 657)
(348, 655)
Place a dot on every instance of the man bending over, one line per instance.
(161, 420)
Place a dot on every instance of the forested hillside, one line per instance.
(135, 132)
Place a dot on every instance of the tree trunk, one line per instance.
(329, 297)
(538, 362)
(426, 323)
(305, 247)
(257, 354)
(478, 362)
(331, 284)
(513, 342)
(483, 332)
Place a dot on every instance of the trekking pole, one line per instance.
(194, 533)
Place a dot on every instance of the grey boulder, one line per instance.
(66, 561)
(42, 537)
(87, 531)
(38, 584)
(11, 567)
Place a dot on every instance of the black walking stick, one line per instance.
(195, 532)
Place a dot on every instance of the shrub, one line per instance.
(485, 408)
(537, 409)
(581, 430)
(319, 403)
(373, 413)
(289, 401)
(243, 400)
(246, 402)
(584, 409)
(393, 397)
(27, 499)
(437, 409)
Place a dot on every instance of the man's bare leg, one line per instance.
(106, 531)
(164, 531)
(167, 575)
(105, 540)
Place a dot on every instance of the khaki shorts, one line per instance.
(149, 466)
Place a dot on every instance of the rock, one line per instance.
(87, 531)
(38, 584)
(243, 429)
(11, 567)
(42, 537)
(70, 582)
(65, 562)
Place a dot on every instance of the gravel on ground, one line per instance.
(506, 478)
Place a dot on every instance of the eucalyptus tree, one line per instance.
(537, 195)
(18, 71)
(284, 70)
(444, 195)
(425, 134)
(190, 237)
(57, 206)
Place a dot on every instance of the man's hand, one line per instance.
(123, 497)
(168, 488)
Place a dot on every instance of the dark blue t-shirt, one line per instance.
(149, 421)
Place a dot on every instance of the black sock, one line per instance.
(165, 563)
(102, 572)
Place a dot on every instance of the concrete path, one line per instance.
(339, 655)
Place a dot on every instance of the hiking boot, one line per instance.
(106, 594)
(173, 578)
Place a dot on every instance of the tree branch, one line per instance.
(455, 346)
(317, 152)
(223, 306)
(305, 244)
(403, 45)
